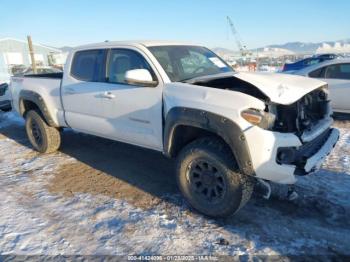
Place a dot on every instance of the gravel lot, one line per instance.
(97, 196)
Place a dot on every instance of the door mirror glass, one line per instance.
(141, 77)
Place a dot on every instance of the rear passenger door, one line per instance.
(81, 90)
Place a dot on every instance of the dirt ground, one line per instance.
(109, 168)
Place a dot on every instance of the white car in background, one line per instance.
(337, 74)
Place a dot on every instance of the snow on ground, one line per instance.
(35, 220)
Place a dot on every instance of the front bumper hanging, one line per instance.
(309, 157)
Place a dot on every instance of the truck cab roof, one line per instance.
(144, 43)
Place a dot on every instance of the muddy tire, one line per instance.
(44, 138)
(208, 177)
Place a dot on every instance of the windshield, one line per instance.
(182, 63)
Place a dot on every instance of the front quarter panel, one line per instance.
(225, 103)
(217, 111)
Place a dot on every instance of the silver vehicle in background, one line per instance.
(337, 74)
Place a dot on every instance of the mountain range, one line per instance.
(296, 47)
(300, 47)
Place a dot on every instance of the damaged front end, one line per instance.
(310, 119)
(293, 105)
(306, 117)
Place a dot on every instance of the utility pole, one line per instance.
(31, 51)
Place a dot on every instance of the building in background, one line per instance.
(14, 54)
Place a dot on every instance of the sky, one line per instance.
(259, 22)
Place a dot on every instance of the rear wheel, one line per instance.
(208, 177)
(44, 138)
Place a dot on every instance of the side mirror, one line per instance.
(3, 88)
(140, 77)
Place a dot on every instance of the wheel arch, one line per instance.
(183, 125)
(29, 100)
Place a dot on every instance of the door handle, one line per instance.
(69, 91)
(108, 95)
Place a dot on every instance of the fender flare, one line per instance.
(26, 95)
(228, 130)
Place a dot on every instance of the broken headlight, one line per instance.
(259, 118)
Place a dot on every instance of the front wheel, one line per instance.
(44, 138)
(209, 179)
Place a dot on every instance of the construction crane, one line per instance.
(242, 48)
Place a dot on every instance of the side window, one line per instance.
(123, 60)
(318, 73)
(88, 65)
(338, 71)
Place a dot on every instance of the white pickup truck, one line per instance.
(226, 129)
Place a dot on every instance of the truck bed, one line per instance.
(47, 85)
(51, 75)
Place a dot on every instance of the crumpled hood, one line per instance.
(281, 88)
